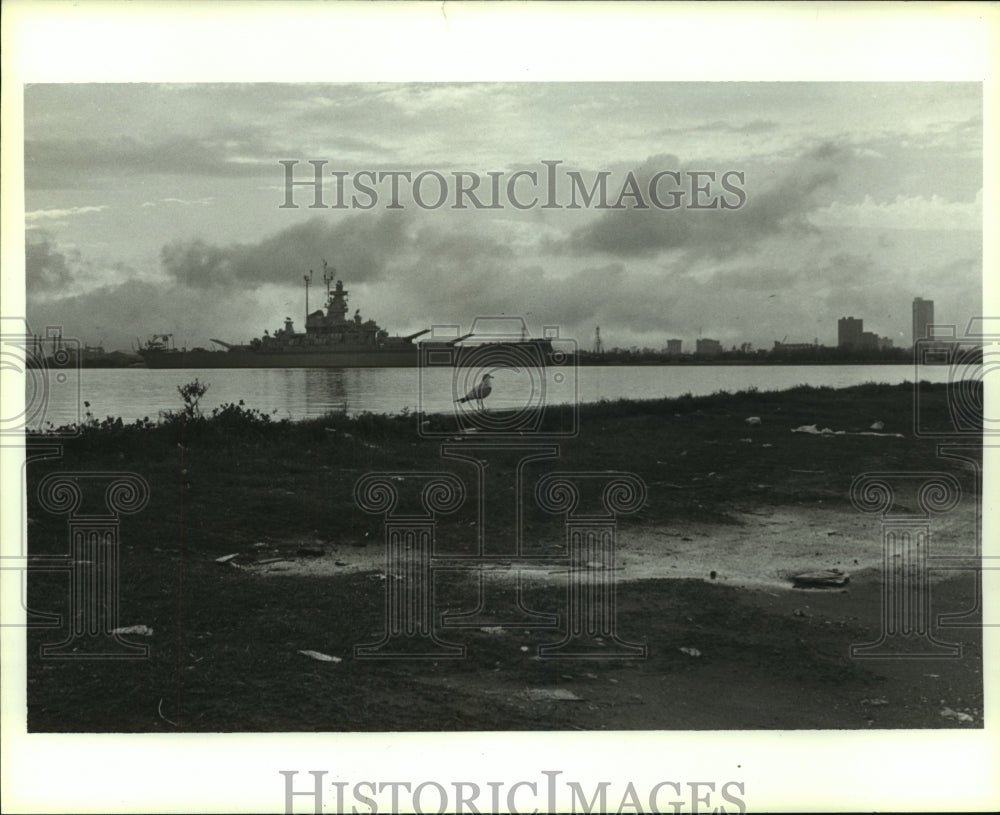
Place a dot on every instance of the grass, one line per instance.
(239, 473)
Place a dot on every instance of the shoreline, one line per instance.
(581, 361)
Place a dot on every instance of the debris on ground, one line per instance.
(801, 612)
(825, 577)
(814, 430)
(226, 558)
(877, 425)
(159, 712)
(492, 629)
(320, 657)
(876, 701)
(691, 652)
(141, 630)
(957, 715)
(552, 695)
(753, 420)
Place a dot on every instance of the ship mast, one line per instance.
(308, 278)
(328, 275)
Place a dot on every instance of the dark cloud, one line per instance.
(47, 268)
(772, 207)
(750, 128)
(120, 316)
(63, 162)
(361, 244)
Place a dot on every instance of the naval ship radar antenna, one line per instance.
(328, 274)
(308, 278)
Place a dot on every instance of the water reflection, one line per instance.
(306, 393)
(326, 391)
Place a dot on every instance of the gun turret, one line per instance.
(414, 335)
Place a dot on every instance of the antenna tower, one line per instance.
(308, 278)
(328, 275)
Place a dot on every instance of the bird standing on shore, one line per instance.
(480, 392)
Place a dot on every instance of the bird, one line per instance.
(479, 392)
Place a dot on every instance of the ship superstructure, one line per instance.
(331, 339)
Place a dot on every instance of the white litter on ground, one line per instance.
(814, 430)
(142, 630)
(552, 695)
(320, 657)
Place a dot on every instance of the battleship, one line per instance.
(333, 340)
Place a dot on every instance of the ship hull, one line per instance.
(435, 355)
(283, 359)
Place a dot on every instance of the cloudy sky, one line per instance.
(157, 208)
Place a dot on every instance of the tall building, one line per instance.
(923, 318)
(869, 340)
(707, 347)
(674, 347)
(849, 331)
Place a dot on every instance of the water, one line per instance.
(135, 393)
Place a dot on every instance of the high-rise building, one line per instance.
(869, 340)
(674, 347)
(849, 331)
(923, 318)
(707, 347)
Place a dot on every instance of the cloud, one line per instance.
(201, 202)
(46, 267)
(118, 315)
(54, 270)
(358, 243)
(747, 128)
(56, 163)
(59, 214)
(771, 208)
(187, 202)
(903, 212)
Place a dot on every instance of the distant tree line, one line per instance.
(747, 355)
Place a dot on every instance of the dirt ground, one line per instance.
(743, 650)
(745, 645)
(255, 577)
